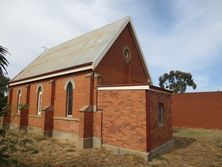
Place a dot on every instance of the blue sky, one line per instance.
(174, 34)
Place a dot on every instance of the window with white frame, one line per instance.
(69, 99)
(19, 96)
(39, 101)
(160, 114)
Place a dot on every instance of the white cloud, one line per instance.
(190, 41)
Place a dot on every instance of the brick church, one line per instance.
(96, 91)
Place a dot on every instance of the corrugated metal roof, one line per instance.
(83, 49)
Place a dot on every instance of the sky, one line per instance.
(181, 35)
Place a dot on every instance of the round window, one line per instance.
(126, 54)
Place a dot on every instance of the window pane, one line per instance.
(19, 100)
(39, 102)
(69, 98)
(161, 114)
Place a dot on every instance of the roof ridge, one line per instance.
(88, 47)
(84, 34)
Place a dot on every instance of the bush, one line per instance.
(7, 148)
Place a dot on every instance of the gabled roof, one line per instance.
(84, 52)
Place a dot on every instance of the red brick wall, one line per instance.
(81, 97)
(124, 118)
(80, 94)
(159, 135)
(14, 110)
(97, 124)
(46, 94)
(113, 67)
(197, 110)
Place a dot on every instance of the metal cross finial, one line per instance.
(44, 47)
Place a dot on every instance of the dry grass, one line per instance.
(193, 147)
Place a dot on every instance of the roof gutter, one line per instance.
(52, 74)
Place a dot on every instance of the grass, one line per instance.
(194, 147)
(159, 157)
(198, 133)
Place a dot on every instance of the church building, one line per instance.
(96, 91)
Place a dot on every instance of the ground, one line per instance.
(193, 147)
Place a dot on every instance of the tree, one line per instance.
(3, 91)
(3, 60)
(177, 81)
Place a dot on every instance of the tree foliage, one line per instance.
(177, 81)
(3, 91)
(3, 61)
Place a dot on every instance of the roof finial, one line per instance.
(45, 48)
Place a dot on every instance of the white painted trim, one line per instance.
(139, 47)
(113, 39)
(109, 44)
(39, 86)
(72, 82)
(160, 91)
(140, 87)
(52, 75)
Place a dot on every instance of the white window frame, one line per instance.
(67, 104)
(19, 96)
(39, 101)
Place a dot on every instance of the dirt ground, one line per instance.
(193, 147)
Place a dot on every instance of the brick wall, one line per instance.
(81, 97)
(159, 135)
(124, 118)
(197, 110)
(113, 68)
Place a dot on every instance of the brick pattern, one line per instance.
(86, 124)
(71, 126)
(97, 124)
(197, 110)
(159, 135)
(113, 68)
(124, 118)
(81, 92)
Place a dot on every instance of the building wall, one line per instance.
(15, 117)
(61, 122)
(36, 120)
(123, 118)
(81, 97)
(159, 135)
(197, 110)
(113, 68)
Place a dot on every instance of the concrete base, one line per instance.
(23, 128)
(35, 131)
(14, 126)
(96, 142)
(162, 149)
(85, 143)
(65, 136)
(48, 133)
(121, 150)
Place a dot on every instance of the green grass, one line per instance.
(198, 133)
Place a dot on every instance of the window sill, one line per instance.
(17, 114)
(161, 125)
(66, 119)
(35, 116)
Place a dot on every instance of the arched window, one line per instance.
(69, 99)
(39, 101)
(19, 95)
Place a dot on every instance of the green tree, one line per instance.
(3, 91)
(3, 61)
(177, 81)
